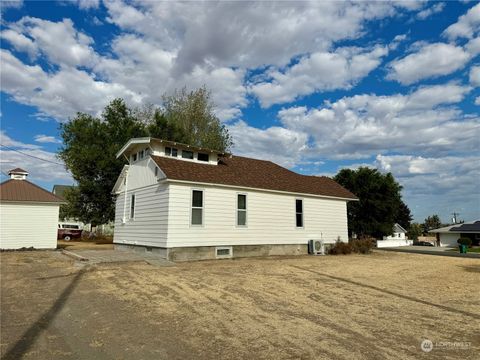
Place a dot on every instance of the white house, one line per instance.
(28, 214)
(448, 235)
(398, 238)
(186, 202)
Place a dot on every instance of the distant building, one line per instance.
(399, 233)
(448, 235)
(29, 214)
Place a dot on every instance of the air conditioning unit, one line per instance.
(316, 247)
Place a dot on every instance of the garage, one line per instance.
(28, 214)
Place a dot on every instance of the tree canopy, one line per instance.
(430, 223)
(90, 145)
(380, 203)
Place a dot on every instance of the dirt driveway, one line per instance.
(380, 306)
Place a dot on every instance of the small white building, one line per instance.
(185, 202)
(28, 214)
(398, 238)
(448, 235)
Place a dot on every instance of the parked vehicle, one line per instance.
(422, 243)
(69, 231)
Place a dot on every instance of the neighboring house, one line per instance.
(186, 202)
(448, 235)
(399, 233)
(29, 214)
(107, 229)
(398, 238)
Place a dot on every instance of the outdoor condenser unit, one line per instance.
(316, 247)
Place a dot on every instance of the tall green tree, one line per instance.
(430, 223)
(415, 231)
(193, 112)
(90, 145)
(404, 216)
(379, 201)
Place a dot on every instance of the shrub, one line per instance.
(341, 248)
(464, 241)
(362, 246)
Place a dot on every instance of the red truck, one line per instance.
(68, 232)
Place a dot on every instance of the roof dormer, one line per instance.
(138, 149)
(18, 174)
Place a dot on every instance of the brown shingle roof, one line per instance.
(23, 190)
(18, 170)
(251, 173)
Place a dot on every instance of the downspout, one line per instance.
(124, 220)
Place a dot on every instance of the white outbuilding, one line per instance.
(28, 214)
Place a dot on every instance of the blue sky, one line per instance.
(313, 86)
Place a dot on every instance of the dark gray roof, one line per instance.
(468, 227)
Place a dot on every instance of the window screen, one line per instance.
(197, 207)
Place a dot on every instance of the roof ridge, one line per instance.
(44, 190)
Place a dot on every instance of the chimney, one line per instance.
(18, 174)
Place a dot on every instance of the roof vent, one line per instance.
(18, 174)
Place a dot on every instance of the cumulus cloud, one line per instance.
(474, 76)
(362, 124)
(277, 144)
(436, 8)
(467, 25)
(430, 61)
(319, 71)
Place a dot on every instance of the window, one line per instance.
(171, 151)
(223, 252)
(187, 154)
(134, 157)
(241, 210)
(197, 207)
(140, 154)
(132, 206)
(156, 171)
(299, 212)
(202, 157)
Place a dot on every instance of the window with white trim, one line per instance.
(134, 157)
(173, 152)
(241, 210)
(132, 206)
(187, 154)
(140, 154)
(299, 212)
(197, 207)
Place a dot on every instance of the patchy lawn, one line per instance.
(379, 306)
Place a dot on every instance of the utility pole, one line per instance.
(455, 217)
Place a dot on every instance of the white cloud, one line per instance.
(475, 76)
(436, 185)
(47, 139)
(467, 25)
(354, 127)
(88, 4)
(436, 8)
(477, 100)
(27, 156)
(277, 144)
(430, 61)
(318, 71)
(11, 4)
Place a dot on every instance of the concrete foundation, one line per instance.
(209, 253)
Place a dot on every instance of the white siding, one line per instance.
(449, 239)
(142, 173)
(149, 226)
(270, 218)
(28, 225)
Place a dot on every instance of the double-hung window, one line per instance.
(241, 210)
(132, 206)
(299, 212)
(197, 207)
